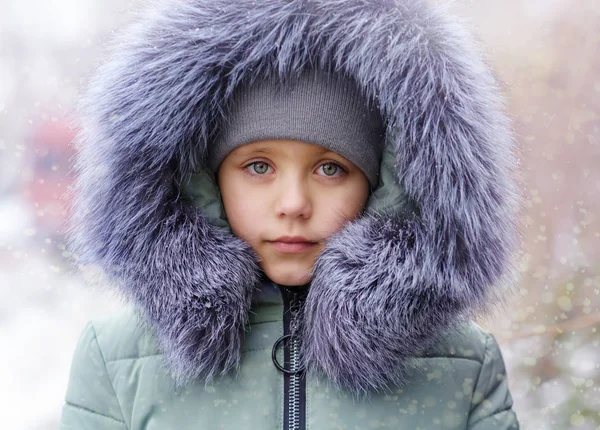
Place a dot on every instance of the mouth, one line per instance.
(293, 244)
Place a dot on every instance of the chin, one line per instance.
(288, 277)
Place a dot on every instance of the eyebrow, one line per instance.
(245, 152)
(262, 151)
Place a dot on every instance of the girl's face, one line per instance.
(286, 198)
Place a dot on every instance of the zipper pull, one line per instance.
(287, 338)
(292, 301)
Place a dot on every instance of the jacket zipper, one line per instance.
(294, 380)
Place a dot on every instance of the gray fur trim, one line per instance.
(391, 283)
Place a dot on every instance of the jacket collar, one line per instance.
(267, 303)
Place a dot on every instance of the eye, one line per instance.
(258, 167)
(330, 169)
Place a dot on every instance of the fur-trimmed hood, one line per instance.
(387, 284)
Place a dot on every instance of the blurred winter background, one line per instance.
(546, 52)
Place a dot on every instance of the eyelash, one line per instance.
(342, 171)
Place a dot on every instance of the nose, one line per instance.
(293, 198)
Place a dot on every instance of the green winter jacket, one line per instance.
(118, 382)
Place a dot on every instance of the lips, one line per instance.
(293, 244)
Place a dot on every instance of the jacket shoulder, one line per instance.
(468, 341)
(123, 335)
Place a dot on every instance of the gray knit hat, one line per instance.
(319, 108)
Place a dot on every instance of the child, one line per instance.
(305, 202)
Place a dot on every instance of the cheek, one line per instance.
(243, 209)
(340, 208)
